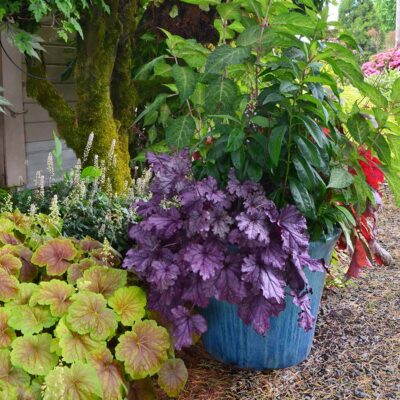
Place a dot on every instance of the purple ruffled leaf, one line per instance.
(208, 188)
(302, 260)
(187, 326)
(163, 274)
(272, 255)
(293, 226)
(204, 259)
(306, 319)
(239, 189)
(269, 280)
(165, 223)
(256, 311)
(254, 226)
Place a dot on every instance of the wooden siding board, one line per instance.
(13, 126)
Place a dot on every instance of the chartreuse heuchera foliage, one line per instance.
(72, 325)
(197, 241)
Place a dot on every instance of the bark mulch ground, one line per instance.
(356, 352)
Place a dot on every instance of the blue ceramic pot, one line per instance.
(286, 344)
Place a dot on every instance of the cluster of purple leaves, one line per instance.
(196, 241)
(382, 61)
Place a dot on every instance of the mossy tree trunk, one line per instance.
(106, 92)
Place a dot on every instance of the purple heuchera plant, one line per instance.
(196, 241)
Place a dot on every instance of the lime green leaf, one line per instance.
(185, 80)
(111, 375)
(220, 96)
(89, 314)
(250, 36)
(10, 374)
(144, 349)
(75, 347)
(8, 238)
(7, 334)
(78, 382)
(25, 291)
(225, 55)
(229, 11)
(55, 294)
(129, 303)
(179, 132)
(75, 271)
(173, 376)
(102, 279)
(55, 255)
(10, 264)
(8, 286)
(32, 353)
(29, 319)
(340, 178)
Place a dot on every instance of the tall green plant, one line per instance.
(267, 102)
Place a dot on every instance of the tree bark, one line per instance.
(107, 95)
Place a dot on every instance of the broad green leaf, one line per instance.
(225, 55)
(235, 139)
(358, 128)
(238, 158)
(310, 152)
(249, 37)
(275, 143)
(55, 294)
(254, 171)
(88, 314)
(185, 80)
(129, 304)
(78, 382)
(102, 279)
(55, 255)
(32, 353)
(381, 116)
(145, 71)
(193, 53)
(304, 201)
(91, 173)
(7, 334)
(304, 172)
(173, 376)
(180, 131)
(220, 96)
(110, 373)
(395, 95)
(10, 264)
(144, 349)
(229, 11)
(340, 178)
(314, 130)
(261, 121)
(287, 87)
(154, 106)
(29, 319)
(8, 286)
(75, 347)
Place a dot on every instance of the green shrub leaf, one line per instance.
(224, 56)
(185, 80)
(179, 132)
(340, 178)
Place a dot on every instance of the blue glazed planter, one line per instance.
(286, 344)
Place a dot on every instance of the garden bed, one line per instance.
(356, 351)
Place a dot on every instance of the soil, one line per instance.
(356, 351)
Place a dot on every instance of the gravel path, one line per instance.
(356, 352)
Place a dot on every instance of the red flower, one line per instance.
(326, 131)
(359, 260)
(373, 174)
